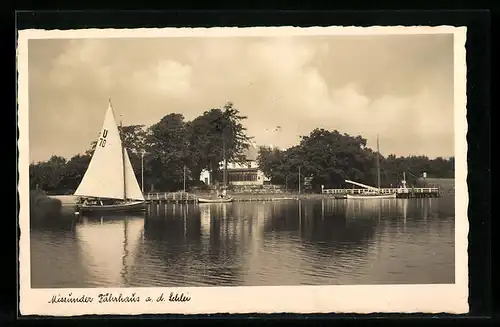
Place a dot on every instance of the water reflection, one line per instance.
(253, 243)
(55, 260)
(108, 246)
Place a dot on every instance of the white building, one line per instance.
(242, 173)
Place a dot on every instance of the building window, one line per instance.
(242, 176)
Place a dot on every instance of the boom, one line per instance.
(362, 185)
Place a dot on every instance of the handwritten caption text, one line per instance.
(118, 298)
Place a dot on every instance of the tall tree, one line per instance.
(48, 175)
(213, 132)
(328, 158)
(167, 148)
(272, 161)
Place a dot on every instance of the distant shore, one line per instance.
(70, 200)
(67, 201)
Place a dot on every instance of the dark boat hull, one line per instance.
(136, 206)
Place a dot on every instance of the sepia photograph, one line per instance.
(241, 169)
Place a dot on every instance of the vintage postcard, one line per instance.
(243, 170)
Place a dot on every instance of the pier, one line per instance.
(181, 197)
(184, 197)
(171, 197)
(404, 193)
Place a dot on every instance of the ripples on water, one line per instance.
(309, 242)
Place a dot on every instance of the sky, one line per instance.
(399, 86)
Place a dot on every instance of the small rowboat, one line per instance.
(371, 196)
(220, 200)
(283, 199)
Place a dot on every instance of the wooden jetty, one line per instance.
(184, 197)
(181, 197)
(404, 193)
(171, 197)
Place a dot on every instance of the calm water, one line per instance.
(253, 244)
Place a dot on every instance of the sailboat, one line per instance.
(372, 192)
(109, 184)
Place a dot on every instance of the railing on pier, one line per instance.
(170, 197)
(416, 190)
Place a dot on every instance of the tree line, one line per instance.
(168, 150)
(174, 148)
(329, 158)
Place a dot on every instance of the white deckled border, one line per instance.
(450, 298)
(281, 31)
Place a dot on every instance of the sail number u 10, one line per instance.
(102, 139)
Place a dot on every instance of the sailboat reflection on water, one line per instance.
(114, 263)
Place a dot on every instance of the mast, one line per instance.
(123, 158)
(224, 174)
(224, 145)
(378, 165)
(142, 171)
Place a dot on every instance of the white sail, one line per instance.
(132, 186)
(104, 177)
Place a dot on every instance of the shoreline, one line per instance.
(67, 202)
(70, 201)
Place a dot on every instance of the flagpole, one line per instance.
(184, 178)
(378, 164)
